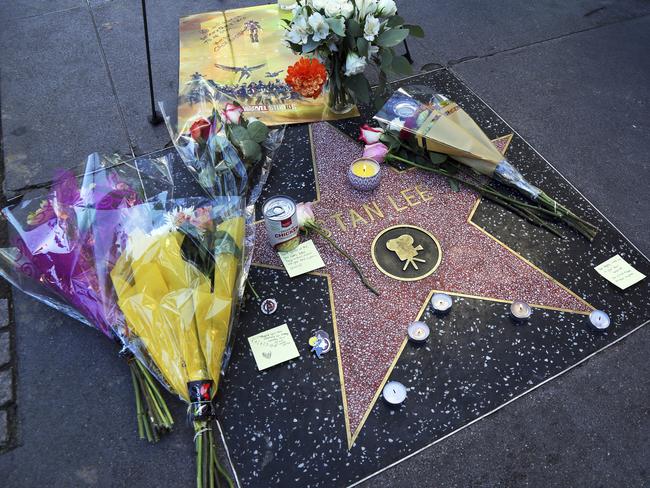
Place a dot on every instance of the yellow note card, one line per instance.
(273, 346)
(618, 271)
(302, 259)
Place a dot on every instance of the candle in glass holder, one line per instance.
(599, 320)
(441, 303)
(520, 310)
(394, 393)
(418, 331)
(364, 174)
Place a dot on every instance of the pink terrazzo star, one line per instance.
(371, 329)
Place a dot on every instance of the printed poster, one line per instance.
(242, 53)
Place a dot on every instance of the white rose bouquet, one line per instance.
(346, 36)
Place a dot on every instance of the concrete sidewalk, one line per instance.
(570, 77)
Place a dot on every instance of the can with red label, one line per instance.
(281, 222)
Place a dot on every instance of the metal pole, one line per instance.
(154, 118)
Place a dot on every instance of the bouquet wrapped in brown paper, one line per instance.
(442, 127)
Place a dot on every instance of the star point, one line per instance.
(371, 330)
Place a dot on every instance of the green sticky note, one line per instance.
(619, 272)
(302, 259)
(273, 346)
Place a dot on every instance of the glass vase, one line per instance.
(340, 99)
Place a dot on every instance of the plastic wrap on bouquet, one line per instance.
(53, 235)
(441, 125)
(178, 282)
(228, 154)
(53, 257)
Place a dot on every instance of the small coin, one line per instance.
(269, 306)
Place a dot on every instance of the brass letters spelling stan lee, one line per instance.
(371, 211)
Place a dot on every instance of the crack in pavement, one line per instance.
(455, 62)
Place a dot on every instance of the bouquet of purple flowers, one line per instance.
(55, 244)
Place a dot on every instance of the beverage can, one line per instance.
(281, 222)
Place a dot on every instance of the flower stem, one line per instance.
(547, 206)
(138, 403)
(166, 419)
(250, 285)
(198, 446)
(208, 468)
(316, 228)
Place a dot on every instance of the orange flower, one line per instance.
(307, 77)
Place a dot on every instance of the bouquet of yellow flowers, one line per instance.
(177, 282)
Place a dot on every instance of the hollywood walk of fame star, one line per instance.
(370, 330)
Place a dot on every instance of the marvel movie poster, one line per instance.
(241, 52)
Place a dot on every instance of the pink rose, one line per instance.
(370, 135)
(232, 113)
(376, 151)
(202, 218)
(305, 214)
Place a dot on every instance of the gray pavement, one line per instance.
(570, 77)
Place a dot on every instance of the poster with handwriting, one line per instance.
(242, 53)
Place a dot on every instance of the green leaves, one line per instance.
(415, 30)
(248, 139)
(251, 150)
(237, 133)
(386, 58)
(310, 46)
(257, 131)
(392, 37)
(337, 26)
(401, 66)
(453, 184)
(362, 47)
(395, 21)
(437, 158)
(354, 28)
(353, 32)
(360, 86)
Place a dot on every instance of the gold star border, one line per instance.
(502, 143)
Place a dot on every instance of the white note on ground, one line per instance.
(619, 272)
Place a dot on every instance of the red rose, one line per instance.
(200, 130)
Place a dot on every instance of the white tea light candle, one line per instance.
(364, 174)
(520, 310)
(418, 331)
(394, 392)
(599, 320)
(441, 303)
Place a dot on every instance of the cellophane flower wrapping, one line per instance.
(441, 125)
(53, 237)
(178, 285)
(228, 154)
(230, 158)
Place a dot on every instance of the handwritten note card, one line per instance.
(618, 271)
(273, 346)
(302, 259)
